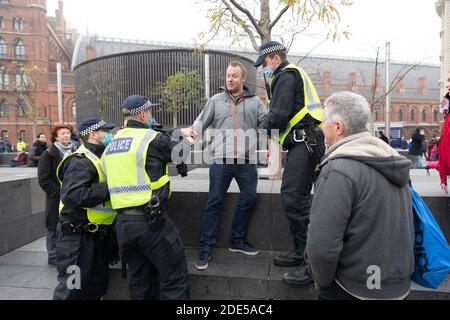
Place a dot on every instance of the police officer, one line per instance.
(85, 235)
(136, 164)
(296, 112)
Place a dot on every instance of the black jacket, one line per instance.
(416, 144)
(288, 99)
(48, 163)
(80, 188)
(159, 154)
(37, 150)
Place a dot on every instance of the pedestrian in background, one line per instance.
(416, 147)
(48, 163)
(39, 147)
(383, 137)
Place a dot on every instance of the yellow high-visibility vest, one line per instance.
(313, 106)
(124, 161)
(103, 214)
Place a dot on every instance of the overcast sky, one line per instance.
(412, 26)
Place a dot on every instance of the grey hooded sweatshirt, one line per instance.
(234, 124)
(361, 231)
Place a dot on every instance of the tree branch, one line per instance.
(247, 13)
(282, 12)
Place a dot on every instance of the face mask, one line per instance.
(151, 122)
(268, 72)
(107, 139)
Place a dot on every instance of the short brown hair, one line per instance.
(58, 127)
(281, 54)
(240, 65)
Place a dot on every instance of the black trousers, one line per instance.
(81, 257)
(296, 189)
(156, 259)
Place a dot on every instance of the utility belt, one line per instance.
(304, 135)
(69, 228)
(153, 213)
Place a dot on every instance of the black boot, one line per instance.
(299, 276)
(292, 259)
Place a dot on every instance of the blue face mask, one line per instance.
(151, 121)
(268, 72)
(107, 139)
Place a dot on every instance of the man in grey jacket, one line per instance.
(361, 234)
(235, 115)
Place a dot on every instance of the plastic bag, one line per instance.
(431, 249)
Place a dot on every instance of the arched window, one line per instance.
(2, 23)
(4, 77)
(375, 117)
(22, 109)
(18, 24)
(424, 115)
(3, 109)
(20, 50)
(74, 110)
(436, 116)
(3, 48)
(400, 115)
(413, 115)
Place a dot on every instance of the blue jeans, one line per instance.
(220, 176)
(417, 163)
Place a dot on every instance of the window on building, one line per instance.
(436, 115)
(413, 115)
(400, 115)
(4, 135)
(4, 78)
(23, 135)
(20, 50)
(18, 24)
(3, 49)
(424, 116)
(3, 109)
(74, 110)
(21, 109)
(21, 81)
(2, 23)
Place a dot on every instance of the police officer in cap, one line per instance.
(297, 114)
(136, 164)
(85, 243)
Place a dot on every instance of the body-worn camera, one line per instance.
(154, 210)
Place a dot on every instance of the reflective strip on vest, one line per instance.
(124, 161)
(312, 101)
(102, 214)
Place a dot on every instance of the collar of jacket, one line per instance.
(97, 149)
(247, 93)
(136, 124)
(55, 153)
(280, 68)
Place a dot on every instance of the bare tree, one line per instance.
(256, 22)
(25, 89)
(102, 84)
(376, 101)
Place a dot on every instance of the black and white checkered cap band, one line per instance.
(272, 49)
(92, 128)
(142, 108)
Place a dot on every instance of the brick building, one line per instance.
(30, 39)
